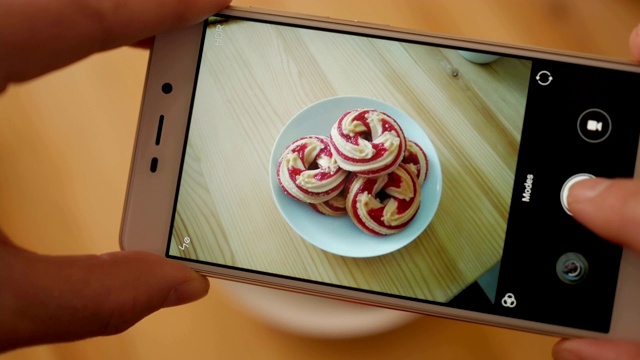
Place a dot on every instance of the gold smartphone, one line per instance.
(387, 167)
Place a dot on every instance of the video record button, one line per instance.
(594, 125)
(564, 193)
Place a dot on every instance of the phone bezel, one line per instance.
(150, 196)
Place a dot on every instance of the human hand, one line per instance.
(610, 209)
(46, 299)
(40, 36)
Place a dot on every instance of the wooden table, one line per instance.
(472, 113)
(65, 148)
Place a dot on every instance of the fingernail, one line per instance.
(187, 292)
(587, 189)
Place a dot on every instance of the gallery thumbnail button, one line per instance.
(594, 125)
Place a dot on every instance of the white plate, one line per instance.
(339, 235)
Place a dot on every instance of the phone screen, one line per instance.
(404, 169)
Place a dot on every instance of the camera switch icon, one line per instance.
(509, 301)
(544, 78)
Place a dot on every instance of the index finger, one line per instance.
(609, 208)
(42, 35)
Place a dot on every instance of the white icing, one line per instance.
(391, 140)
(361, 151)
(305, 179)
(406, 190)
(365, 202)
(337, 201)
(412, 148)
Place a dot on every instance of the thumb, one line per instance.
(48, 299)
(609, 208)
(592, 349)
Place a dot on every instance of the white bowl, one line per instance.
(478, 58)
(313, 316)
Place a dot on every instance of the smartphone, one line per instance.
(380, 166)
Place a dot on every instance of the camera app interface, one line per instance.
(397, 168)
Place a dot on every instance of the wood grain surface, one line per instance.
(65, 150)
(259, 76)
